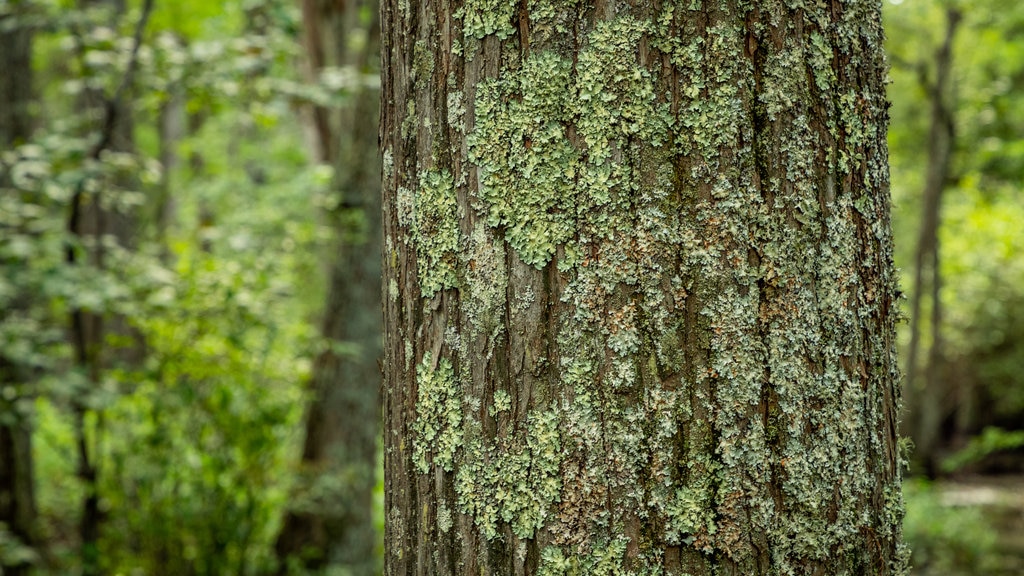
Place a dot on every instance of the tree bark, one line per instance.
(639, 293)
(330, 522)
(17, 482)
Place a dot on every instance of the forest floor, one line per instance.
(1001, 500)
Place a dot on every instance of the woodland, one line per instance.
(191, 337)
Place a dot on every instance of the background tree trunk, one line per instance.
(17, 484)
(331, 522)
(640, 302)
(91, 219)
(927, 389)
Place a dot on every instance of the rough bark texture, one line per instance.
(332, 522)
(17, 499)
(639, 294)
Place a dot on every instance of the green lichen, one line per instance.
(602, 559)
(444, 518)
(689, 514)
(437, 430)
(535, 183)
(502, 403)
(482, 18)
(527, 165)
(552, 21)
(486, 280)
(435, 230)
(456, 111)
(517, 483)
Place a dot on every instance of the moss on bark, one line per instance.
(671, 301)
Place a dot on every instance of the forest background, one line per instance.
(179, 234)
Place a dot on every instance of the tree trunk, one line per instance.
(90, 220)
(926, 396)
(330, 523)
(639, 293)
(17, 483)
(15, 77)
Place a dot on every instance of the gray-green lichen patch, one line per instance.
(437, 430)
(606, 558)
(481, 18)
(515, 481)
(535, 182)
(502, 403)
(690, 514)
(526, 163)
(435, 230)
(486, 280)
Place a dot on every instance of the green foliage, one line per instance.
(213, 414)
(945, 539)
(990, 441)
(980, 236)
(191, 417)
(12, 551)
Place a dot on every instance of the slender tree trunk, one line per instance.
(90, 221)
(17, 499)
(639, 293)
(331, 520)
(927, 389)
(15, 77)
(172, 124)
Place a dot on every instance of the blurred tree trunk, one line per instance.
(17, 484)
(172, 124)
(94, 217)
(330, 521)
(640, 301)
(927, 390)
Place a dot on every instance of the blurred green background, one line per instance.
(172, 199)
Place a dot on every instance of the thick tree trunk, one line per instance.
(639, 297)
(17, 498)
(331, 521)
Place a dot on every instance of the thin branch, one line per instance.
(111, 110)
(113, 105)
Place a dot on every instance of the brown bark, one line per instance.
(330, 521)
(640, 302)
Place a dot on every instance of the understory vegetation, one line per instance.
(165, 226)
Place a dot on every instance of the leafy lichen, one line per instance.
(517, 483)
(481, 18)
(526, 162)
(536, 183)
(437, 430)
(435, 230)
